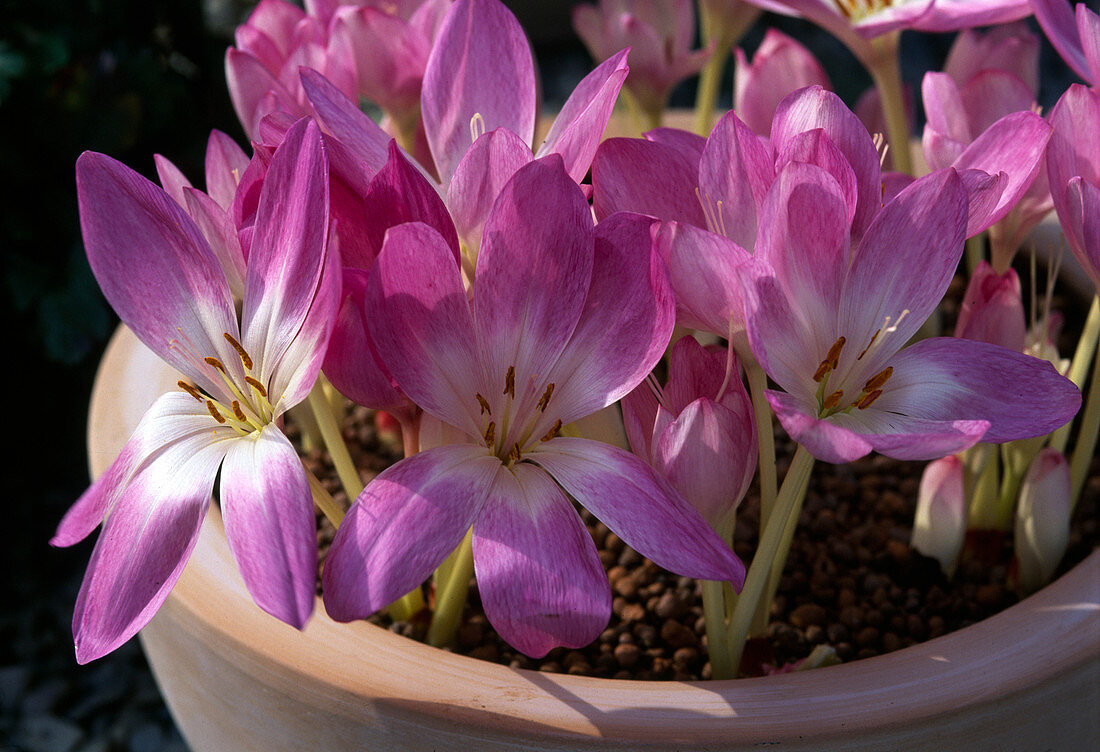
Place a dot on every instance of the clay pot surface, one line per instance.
(238, 679)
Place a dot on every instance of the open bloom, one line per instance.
(166, 284)
(565, 319)
(1073, 168)
(828, 324)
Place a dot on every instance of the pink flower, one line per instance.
(993, 310)
(659, 33)
(780, 66)
(698, 431)
(828, 322)
(166, 284)
(981, 107)
(1073, 168)
(1074, 33)
(564, 320)
(262, 70)
(939, 526)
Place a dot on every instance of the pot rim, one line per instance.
(1045, 637)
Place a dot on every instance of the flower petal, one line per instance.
(403, 525)
(145, 543)
(398, 193)
(813, 107)
(269, 522)
(533, 271)
(538, 573)
(630, 174)
(640, 507)
(702, 269)
(154, 266)
(1015, 145)
(1057, 19)
(685, 143)
(945, 378)
(904, 263)
(480, 177)
(479, 76)
(734, 175)
(625, 326)
(292, 287)
(420, 322)
(344, 120)
(1082, 225)
(225, 163)
(824, 439)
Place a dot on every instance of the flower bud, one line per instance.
(940, 522)
(1042, 519)
(993, 310)
(780, 66)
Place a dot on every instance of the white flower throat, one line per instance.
(246, 407)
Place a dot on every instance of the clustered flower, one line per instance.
(502, 296)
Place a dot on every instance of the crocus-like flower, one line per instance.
(939, 525)
(659, 33)
(262, 70)
(1073, 169)
(479, 109)
(166, 284)
(698, 431)
(992, 309)
(972, 97)
(1042, 519)
(828, 323)
(1075, 33)
(780, 66)
(565, 319)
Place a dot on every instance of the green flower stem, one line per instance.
(975, 252)
(334, 442)
(450, 593)
(1086, 436)
(714, 612)
(765, 437)
(787, 507)
(710, 78)
(324, 501)
(1079, 368)
(642, 118)
(985, 513)
(307, 424)
(885, 71)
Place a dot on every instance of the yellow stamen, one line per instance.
(484, 404)
(214, 412)
(832, 359)
(189, 389)
(833, 399)
(256, 385)
(490, 433)
(879, 379)
(245, 359)
(553, 431)
(545, 400)
(215, 363)
(514, 455)
(238, 412)
(865, 401)
(510, 382)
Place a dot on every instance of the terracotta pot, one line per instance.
(237, 679)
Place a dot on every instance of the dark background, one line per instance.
(132, 78)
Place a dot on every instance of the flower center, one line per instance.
(831, 401)
(514, 433)
(857, 10)
(249, 409)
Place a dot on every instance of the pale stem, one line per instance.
(406, 131)
(311, 434)
(1086, 436)
(1079, 368)
(450, 594)
(765, 438)
(710, 78)
(1016, 457)
(886, 73)
(410, 435)
(975, 252)
(334, 442)
(985, 513)
(787, 507)
(324, 501)
(642, 119)
(714, 613)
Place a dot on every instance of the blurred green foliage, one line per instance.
(129, 78)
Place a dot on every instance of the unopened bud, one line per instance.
(1042, 519)
(940, 522)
